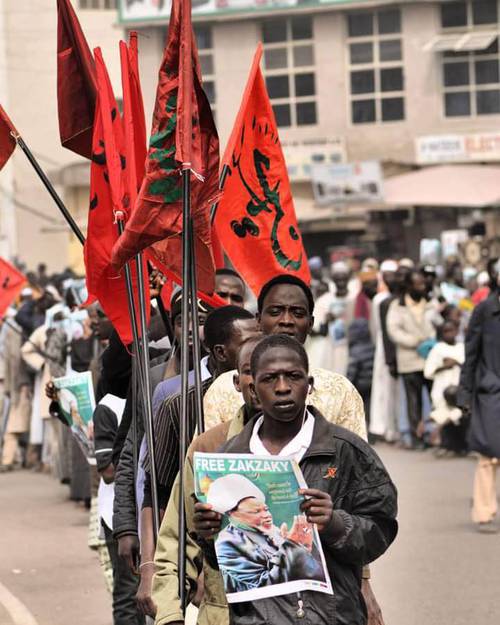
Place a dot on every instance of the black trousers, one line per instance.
(414, 384)
(125, 584)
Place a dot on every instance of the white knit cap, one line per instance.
(340, 267)
(388, 265)
(226, 492)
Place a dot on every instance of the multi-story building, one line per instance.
(31, 227)
(407, 83)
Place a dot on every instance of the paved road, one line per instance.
(439, 572)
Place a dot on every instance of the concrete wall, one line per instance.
(29, 49)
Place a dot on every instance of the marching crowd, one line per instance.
(391, 352)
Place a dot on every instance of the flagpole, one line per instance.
(48, 185)
(148, 400)
(222, 182)
(200, 421)
(186, 278)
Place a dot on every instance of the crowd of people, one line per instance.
(369, 353)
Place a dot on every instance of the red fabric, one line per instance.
(11, 284)
(255, 219)
(217, 249)
(362, 306)
(76, 82)
(480, 295)
(7, 141)
(157, 218)
(108, 194)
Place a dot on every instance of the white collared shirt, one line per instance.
(296, 448)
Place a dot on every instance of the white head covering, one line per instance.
(483, 278)
(226, 492)
(370, 263)
(388, 265)
(407, 262)
(340, 267)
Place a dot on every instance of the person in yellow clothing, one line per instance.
(285, 306)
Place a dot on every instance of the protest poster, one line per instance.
(77, 402)
(266, 547)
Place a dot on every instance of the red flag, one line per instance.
(11, 284)
(76, 82)
(108, 195)
(7, 141)
(255, 218)
(157, 218)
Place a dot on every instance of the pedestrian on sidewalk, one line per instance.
(480, 392)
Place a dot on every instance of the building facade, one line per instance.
(408, 84)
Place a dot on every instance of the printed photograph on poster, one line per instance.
(266, 547)
(76, 399)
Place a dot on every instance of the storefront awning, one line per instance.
(468, 186)
(468, 42)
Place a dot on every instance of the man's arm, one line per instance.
(396, 332)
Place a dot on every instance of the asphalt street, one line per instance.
(439, 571)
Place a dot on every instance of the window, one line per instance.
(472, 13)
(97, 4)
(471, 73)
(289, 70)
(376, 66)
(204, 41)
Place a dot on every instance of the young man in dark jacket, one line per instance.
(353, 502)
(361, 357)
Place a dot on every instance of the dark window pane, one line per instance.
(278, 86)
(391, 79)
(203, 37)
(303, 56)
(302, 28)
(486, 72)
(209, 89)
(390, 50)
(361, 53)
(306, 113)
(492, 49)
(457, 104)
(363, 82)
(275, 58)
(282, 114)
(453, 14)
(363, 111)
(484, 11)
(206, 64)
(360, 24)
(274, 31)
(488, 102)
(389, 21)
(456, 74)
(393, 109)
(304, 85)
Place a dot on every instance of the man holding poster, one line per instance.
(350, 498)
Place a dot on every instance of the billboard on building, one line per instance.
(301, 156)
(151, 10)
(478, 147)
(352, 182)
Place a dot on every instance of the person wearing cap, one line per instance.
(353, 504)
(333, 312)
(384, 402)
(479, 393)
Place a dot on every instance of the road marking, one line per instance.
(18, 612)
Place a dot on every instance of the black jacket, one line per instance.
(125, 453)
(364, 495)
(480, 377)
(389, 347)
(361, 355)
